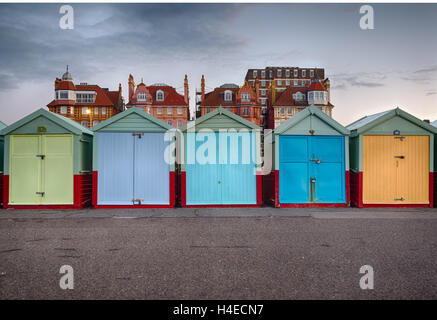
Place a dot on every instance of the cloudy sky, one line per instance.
(370, 70)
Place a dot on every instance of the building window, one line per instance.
(246, 111)
(72, 110)
(279, 82)
(263, 74)
(208, 109)
(180, 111)
(295, 82)
(263, 101)
(96, 110)
(255, 73)
(95, 122)
(304, 82)
(282, 110)
(295, 72)
(142, 96)
(159, 110)
(279, 73)
(84, 110)
(245, 97)
(84, 123)
(103, 110)
(228, 95)
(270, 74)
(170, 122)
(311, 73)
(263, 83)
(287, 73)
(64, 95)
(85, 97)
(289, 110)
(179, 123)
(287, 82)
(63, 110)
(169, 110)
(159, 95)
(263, 92)
(304, 73)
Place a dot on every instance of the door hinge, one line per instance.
(42, 156)
(400, 157)
(40, 193)
(400, 199)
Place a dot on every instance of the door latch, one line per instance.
(400, 157)
(316, 160)
(138, 134)
(40, 194)
(399, 199)
(400, 138)
(137, 200)
(42, 156)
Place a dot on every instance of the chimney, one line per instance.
(426, 120)
(186, 99)
(57, 82)
(273, 88)
(131, 86)
(202, 85)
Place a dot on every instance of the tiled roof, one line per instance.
(316, 86)
(286, 97)
(103, 98)
(171, 97)
(66, 85)
(217, 97)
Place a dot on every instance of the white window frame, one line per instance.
(296, 82)
(279, 82)
(304, 73)
(287, 72)
(287, 82)
(255, 73)
(263, 74)
(227, 96)
(246, 111)
(142, 96)
(159, 110)
(84, 110)
(295, 72)
(63, 92)
(103, 110)
(312, 73)
(169, 110)
(245, 97)
(180, 110)
(279, 72)
(64, 110)
(96, 110)
(158, 95)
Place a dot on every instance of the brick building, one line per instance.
(85, 103)
(240, 100)
(161, 101)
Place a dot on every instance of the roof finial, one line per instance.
(67, 67)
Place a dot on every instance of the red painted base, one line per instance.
(311, 205)
(184, 196)
(357, 194)
(82, 185)
(1, 190)
(135, 206)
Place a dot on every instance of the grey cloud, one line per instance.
(361, 79)
(422, 76)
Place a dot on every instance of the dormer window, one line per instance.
(228, 95)
(159, 95)
(63, 95)
(245, 97)
(287, 73)
(279, 73)
(295, 72)
(263, 74)
(304, 73)
(142, 96)
(312, 73)
(255, 73)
